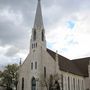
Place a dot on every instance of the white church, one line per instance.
(42, 62)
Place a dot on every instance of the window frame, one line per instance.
(35, 65)
(34, 35)
(42, 35)
(31, 65)
(45, 72)
(22, 83)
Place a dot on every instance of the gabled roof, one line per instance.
(78, 66)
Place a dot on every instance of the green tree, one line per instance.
(0, 74)
(10, 76)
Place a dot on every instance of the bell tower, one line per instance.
(37, 45)
(38, 33)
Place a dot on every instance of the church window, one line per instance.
(22, 83)
(82, 85)
(74, 83)
(34, 35)
(32, 45)
(42, 35)
(31, 65)
(62, 81)
(35, 65)
(68, 83)
(36, 44)
(44, 72)
(78, 85)
(33, 84)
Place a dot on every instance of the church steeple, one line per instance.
(38, 32)
(38, 23)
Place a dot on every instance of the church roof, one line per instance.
(77, 66)
(38, 17)
(82, 64)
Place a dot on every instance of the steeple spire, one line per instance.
(38, 17)
(38, 39)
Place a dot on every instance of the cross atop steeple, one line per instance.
(38, 17)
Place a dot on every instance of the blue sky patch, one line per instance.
(49, 45)
(71, 24)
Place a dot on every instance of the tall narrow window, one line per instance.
(31, 65)
(42, 35)
(78, 85)
(32, 45)
(82, 85)
(35, 65)
(34, 35)
(68, 83)
(22, 83)
(33, 84)
(73, 84)
(36, 44)
(44, 72)
(62, 81)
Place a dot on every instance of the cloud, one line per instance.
(71, 43)
(10, 55)
(12, 51)
(66, 25)
(12, 29)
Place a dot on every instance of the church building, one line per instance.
(42, 62)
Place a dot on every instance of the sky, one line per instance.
(66, 22)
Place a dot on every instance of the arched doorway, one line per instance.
(33, 84)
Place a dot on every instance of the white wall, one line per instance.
(49, 63)
(71, 77)
(87, 83)
(24, 71)
(45, 60)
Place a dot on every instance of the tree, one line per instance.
(0, 73)
(0, 77)
(9, 76)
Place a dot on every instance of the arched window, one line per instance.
(36, 44)
(42, 35)
(33, 84)
(44, 72)
(31, 66)
(78, 85)
(32, 45)
(62, 81)
(68, 83)
(82, 85)
(34, 34)
(23, 83)
(35, 65)
(73, 84)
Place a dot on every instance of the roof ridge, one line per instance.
(68, 65)
(58, 54)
